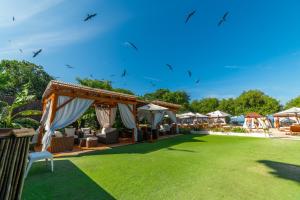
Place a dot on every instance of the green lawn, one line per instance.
(184, 167)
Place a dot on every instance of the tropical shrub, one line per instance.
(10, 117)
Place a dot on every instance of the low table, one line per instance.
(91, 142)
(82, 142)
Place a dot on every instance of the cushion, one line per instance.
(58, 134)
(70, 131)
(107, 130)
(86, 130)
(91, 138)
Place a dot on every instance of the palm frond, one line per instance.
(27, 113)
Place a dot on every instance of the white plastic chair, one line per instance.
(35, 156)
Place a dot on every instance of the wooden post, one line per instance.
(54, 107)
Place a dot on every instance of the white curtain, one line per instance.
(44, 116)
(144, 114)
(158, 116)
(172, 116)
(106, 116)
(127, 117)
(64, 116)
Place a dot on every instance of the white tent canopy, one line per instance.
(294, 111)
(218, 113)
(152, 107)
(199, 115)
(186, 115)
(153, 113)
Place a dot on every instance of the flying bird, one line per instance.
(91, 75)
(89, 16)
(170, 67)
(152, 84)
(13, 18)
(21, 51)
(124, 73)
(189, 73)
(132, 45)
(197, 81)
(69, 66)
(223, 19)
(37, 53)
(189, 16)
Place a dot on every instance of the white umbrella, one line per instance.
(199, 115)
(292, 111)
(190, 114)
(218, 114)
(152, 107)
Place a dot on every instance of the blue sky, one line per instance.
(258, 47)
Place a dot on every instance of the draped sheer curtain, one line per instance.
(106, 116)
(173, 118)
(157, 118)
(64, 116)
(128, 119)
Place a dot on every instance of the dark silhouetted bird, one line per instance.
(131, 45)
(124, 73)
(89, 16)
(14, 18)
(189, 73)
(91, 76)
(152, 84)
(21, 51)
(69, 66)
(197, 81)
(188, 17)
(36, 53)
(223, 19)
(170, 67)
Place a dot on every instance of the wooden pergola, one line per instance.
(99, 97)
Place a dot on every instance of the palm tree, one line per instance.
(9, 114)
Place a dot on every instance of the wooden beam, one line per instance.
(97, 99)
(65, 103)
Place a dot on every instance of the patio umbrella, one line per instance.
(198, 115)
(294, 111)
(218, 113)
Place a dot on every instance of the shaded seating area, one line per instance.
(108, 136)
(288, 121)
(154, 116)
(64, 103)
(256, 121)
(217, 118)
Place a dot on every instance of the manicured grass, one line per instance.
(184, 167)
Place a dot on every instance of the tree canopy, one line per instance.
(256, 101)
(106, 85)
(293, 103)
(15, 74)
(177, 97)
(204, 105)
(248, 101)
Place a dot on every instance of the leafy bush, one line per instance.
(238, 130)
(185, 130)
